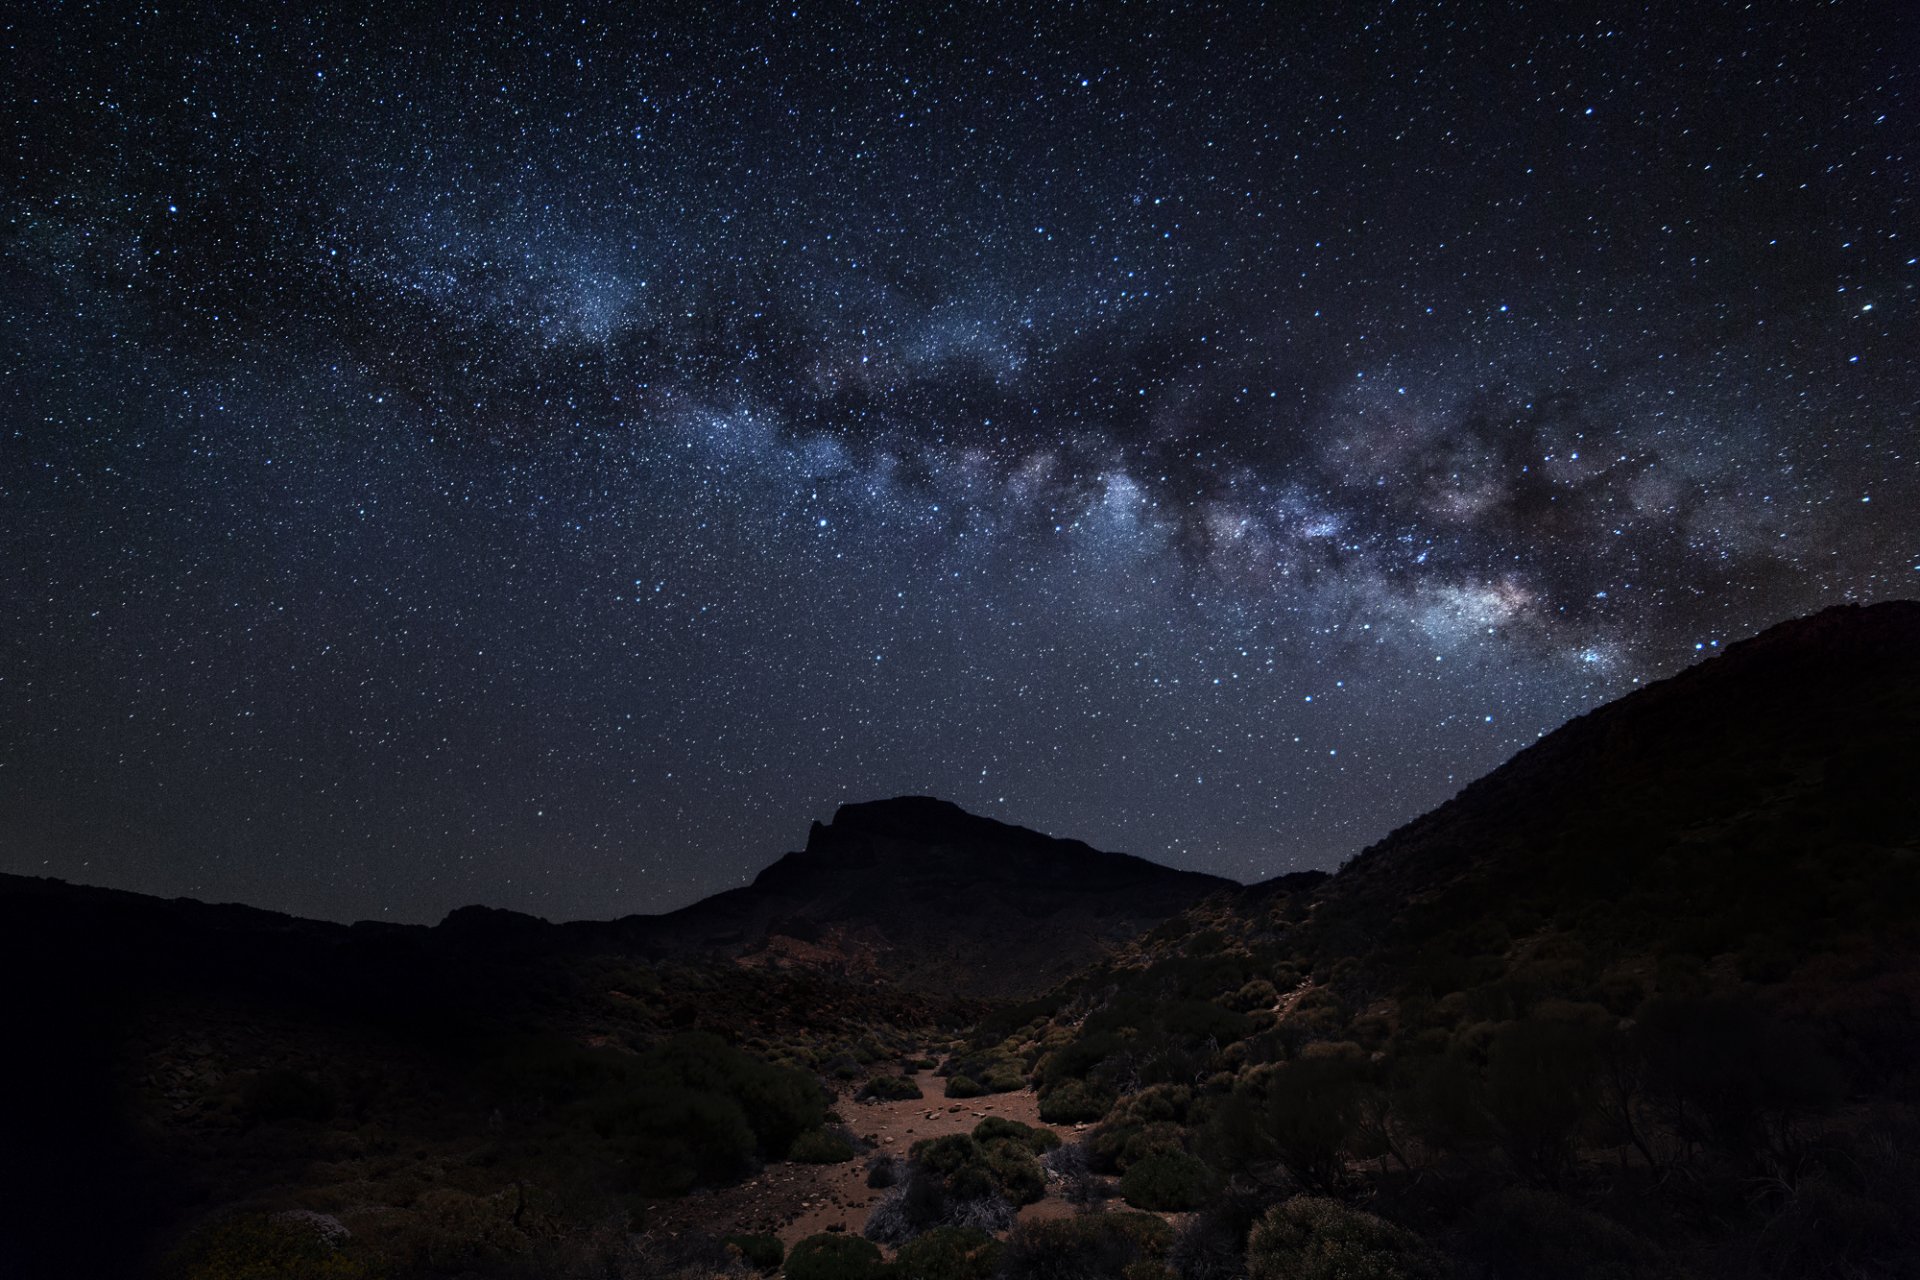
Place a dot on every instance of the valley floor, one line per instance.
(793, 1201)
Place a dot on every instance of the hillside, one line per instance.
(1643, 1001)
(935, 898)
(1758, 805)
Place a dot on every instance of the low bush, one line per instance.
(1210, 1245)
(948, 1253)
(1080, 1186)
(1167, 1182)
(922, 1203)
(1117, 1147)
(1090, 1245)
(996, 1070)
(964, 1087)
(252, 1246)
(890, 1089)
(762, 1253)
(1074, 1102)
(883, 1171)
(999, 1128)
(821, 1146)
(692, 1110)
(1312, 1238)
(834, 1256)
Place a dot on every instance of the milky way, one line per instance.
(547, 460)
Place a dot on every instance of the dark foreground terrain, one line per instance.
(1643, 1002)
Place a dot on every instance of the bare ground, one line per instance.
(794, 1201)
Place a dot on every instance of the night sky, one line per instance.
(547, 460)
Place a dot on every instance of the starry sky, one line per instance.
(546, 459)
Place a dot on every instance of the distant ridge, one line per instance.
(937, 898)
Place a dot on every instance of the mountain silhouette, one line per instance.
(936, 898)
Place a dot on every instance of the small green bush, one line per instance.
(1074, 1102)
(1095, 1244)
(762, 1253)
(252, 1247)
(948, 1253)
(997, 1128)
(1004, 1079)
(834, 1256)
(1003, 1167)
(891, 1089)
(1312, 1238)
(818, 1146)
(964, 1087)
(1167, 1182)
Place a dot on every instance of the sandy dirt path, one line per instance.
(839, 1194)
(794, 1201)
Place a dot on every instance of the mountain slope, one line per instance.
(936, 898)
(1643, 1001)
(1760, 801)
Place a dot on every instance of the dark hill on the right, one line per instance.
(1758, 807)
(1643, 1001)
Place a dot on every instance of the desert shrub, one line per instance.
(1161, 1102)
(1113, 1147)
(1094, 1246)
(1542, 1080)
(694, 1109)
(1258, 994)
(891, 1089)
(254, 1247)
(1730, 1073)
(281, 1094)
(1017, 1174)
(1003, 1166)
(780, 1104)
(964, 1087)
(1167, 1182)
(680, 1138)
(1517, 1233)
(1074, 1102)
(1212, 1244)
(883, 1171)
(1139, 1125)
(1079, 1185)
(996, 1070)
(948, 1253)
(1823, 1227)
(834, 1256)
(763, 1253)
(1004, 1079)
(1310, 1238)
(841, 1066)
(999, 1128)
(922, 1202)
(1301, 1114)
(953, 1180)
(1086, 1052)
(821, 1146)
